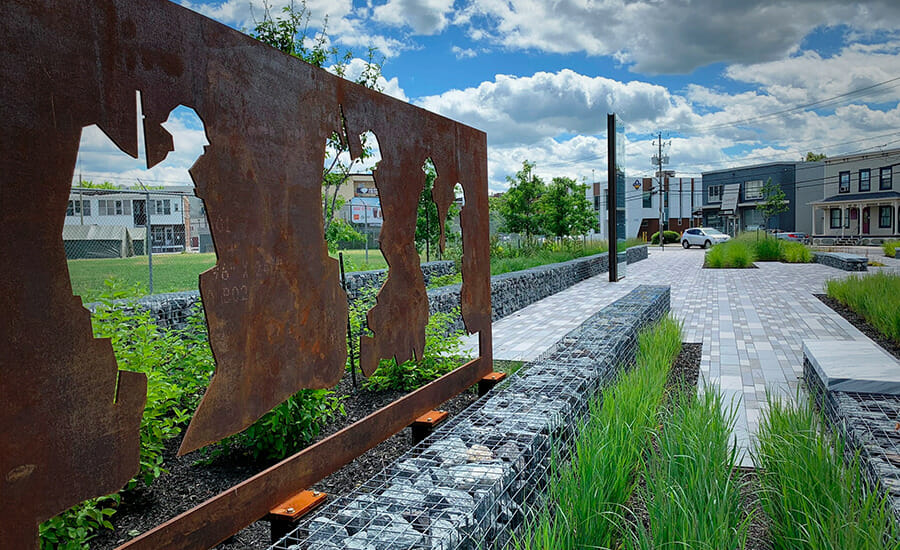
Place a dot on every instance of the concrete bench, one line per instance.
(856, 366)
(841, 260)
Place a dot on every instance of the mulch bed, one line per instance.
(861, 324)
(194, 478)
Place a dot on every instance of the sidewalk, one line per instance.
(751, 322)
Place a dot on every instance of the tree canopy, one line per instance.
(531, 207)
(773, 202)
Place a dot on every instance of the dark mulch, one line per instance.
(194, 478)
(860, 323)
(683, 377)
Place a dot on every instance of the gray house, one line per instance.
(731, 196)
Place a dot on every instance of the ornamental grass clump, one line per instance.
(811, 497)
(890, 248)
(876, 297)
(692, 493)
(588, 495)
(734, 253)
(795, 253)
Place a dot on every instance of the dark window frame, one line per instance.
(867, 179)
(882, 222)
(889, 179)
(709, 193)
(835, 223)
(844, 185)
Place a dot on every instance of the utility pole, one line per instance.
(659, 160)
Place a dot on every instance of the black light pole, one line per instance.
(611, 196)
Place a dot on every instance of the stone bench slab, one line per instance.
(857, 366)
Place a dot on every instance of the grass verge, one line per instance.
(890, 248)
(876, 297)
(812, 498)
(586, 504)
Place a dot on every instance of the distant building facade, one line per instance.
(859, 200)
(731, 197)
(164, 213)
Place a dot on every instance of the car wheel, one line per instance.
(685, 244)
(707, 244)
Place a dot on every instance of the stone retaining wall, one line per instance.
(840, 260)
(470, 484)
(868, 423)
(510, 292)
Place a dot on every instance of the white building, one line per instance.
(131, 210)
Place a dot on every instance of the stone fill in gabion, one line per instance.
(469, 484)
(870, 424)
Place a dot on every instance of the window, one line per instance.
(835, 218)
(865, 180)
(715, 193)
(74, 208)
(884, 216)
(162, 206)
(647, 200)
(109, 207)
(885, 180)
(753, 190)
(844, 186)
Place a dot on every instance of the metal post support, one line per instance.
(611, 195)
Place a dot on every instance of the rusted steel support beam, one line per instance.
(225, 514)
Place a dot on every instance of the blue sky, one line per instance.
(539, 78)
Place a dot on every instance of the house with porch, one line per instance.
(860, 202)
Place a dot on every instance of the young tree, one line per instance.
(519, 207)
(428, 228)
(290, 32)
(564, 209)
(773, 202)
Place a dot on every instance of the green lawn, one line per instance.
(171, 272)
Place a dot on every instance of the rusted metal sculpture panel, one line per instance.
(275, 310)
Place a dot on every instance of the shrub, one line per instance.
(290, 426)
(876, 297)
(734, 253)
(889, 247)
(794, 253)
(442, 351)
(812, 498)
(669, 236)
(75, 527)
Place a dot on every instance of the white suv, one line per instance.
(702, 236)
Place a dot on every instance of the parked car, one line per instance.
(790, 235)
(702, 236)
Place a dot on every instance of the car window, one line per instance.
(693, 231)
(712, 232)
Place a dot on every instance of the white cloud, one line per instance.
(463, 53)
(422, 16)
(355, 68)
(670, 37)
(524, 109)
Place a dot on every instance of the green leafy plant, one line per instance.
(442, 355)
(671, 237)
(445, 280)
(813, 499)
(74, 528)
(876, 297)
(289, 427)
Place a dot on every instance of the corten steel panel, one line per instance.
(275, 310)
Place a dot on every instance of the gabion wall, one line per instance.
(470, 483)
(868, 423)
(510, 292)
(840, 260)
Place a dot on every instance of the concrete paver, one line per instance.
(751, 322)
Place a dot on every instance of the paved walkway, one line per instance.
(751, 322)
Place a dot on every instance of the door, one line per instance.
(865, 221)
